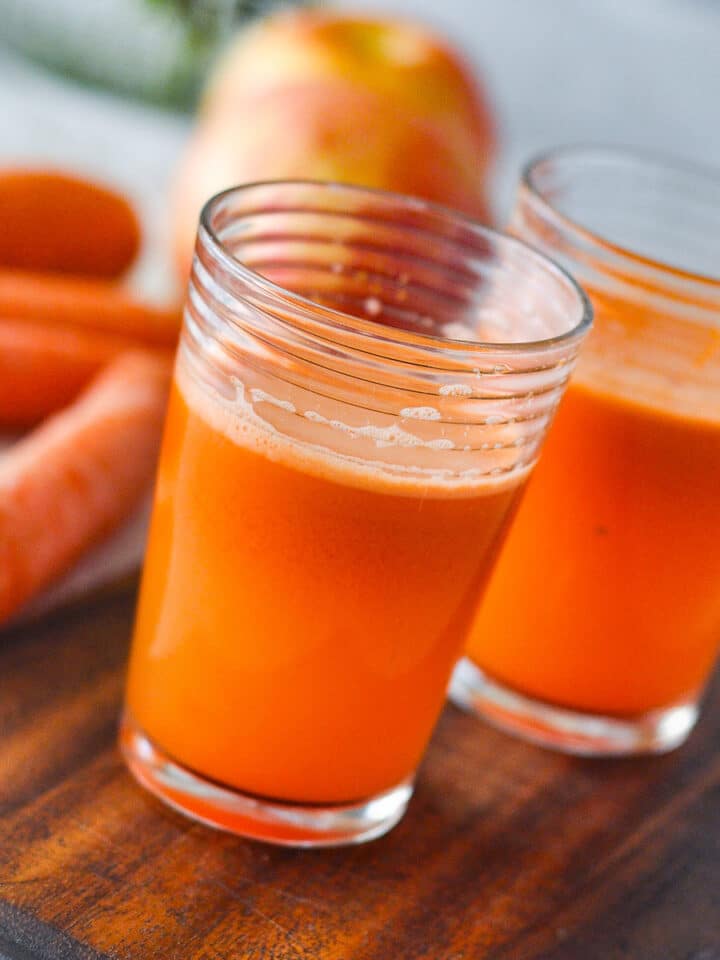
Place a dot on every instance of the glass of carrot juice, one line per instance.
(362, 387)
(601, 623)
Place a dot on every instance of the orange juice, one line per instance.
(301, 612)
(606, 597)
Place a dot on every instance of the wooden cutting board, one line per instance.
(507, 852)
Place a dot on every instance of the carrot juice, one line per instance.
(615, 548)
(333, 489)
(303, 608)
(601, 623)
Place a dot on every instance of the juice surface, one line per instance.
(301, 612)
(606, 596)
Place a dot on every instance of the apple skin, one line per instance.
(397, 59)
(318, 95)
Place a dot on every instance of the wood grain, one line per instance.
(507, 852)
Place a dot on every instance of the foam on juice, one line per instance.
(240, 421)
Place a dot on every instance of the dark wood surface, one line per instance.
(507, 852)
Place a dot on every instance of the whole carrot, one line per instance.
(73, 479)
(92, 304)
(56, 222)
(43, 367)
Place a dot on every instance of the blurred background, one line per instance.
(106, 88)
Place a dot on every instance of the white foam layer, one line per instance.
(240, 421)
(455, 390)
(420, 413)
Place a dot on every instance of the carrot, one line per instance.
(72, 480)
(94, 304)
(52, 221)
(44, 367)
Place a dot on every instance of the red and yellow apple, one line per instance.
(319, 95)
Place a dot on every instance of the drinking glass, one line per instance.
(602, 621)
(362, 386)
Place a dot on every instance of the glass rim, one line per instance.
(333, 318)
(619, 155)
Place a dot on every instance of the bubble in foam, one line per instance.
(455, 390)
(373, 306)
(392, 436)
(260, 396)
(501, 368)
(344, 428)
(420, 413)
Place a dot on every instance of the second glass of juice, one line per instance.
(362, 387)
(602, 620)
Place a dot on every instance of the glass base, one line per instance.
(569, 731)
(272, 821)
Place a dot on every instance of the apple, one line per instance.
(398, 59)
(319, 95)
